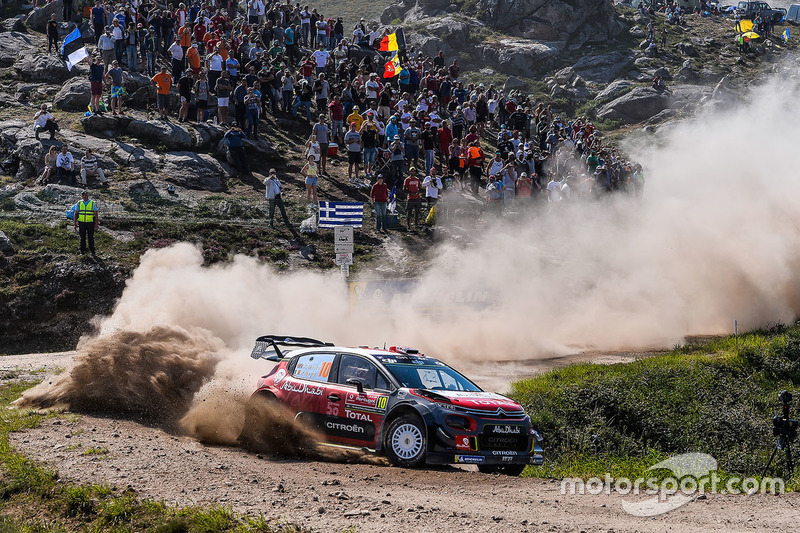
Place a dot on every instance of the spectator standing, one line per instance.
(52, 35)
(176, 53)
(253, 104)
(379, 196)
(132, 42)
(163, 82)
(117, 78)
(44, 121)
(322, 133)
(433, 187)
(86, 221)
(397, 157)
(150, 49)
(274, 198)
(91, 167)
(65, 166)
(96, 84)
(353, 141)
(118, 35)
(234, 139)
(106, 46)
(98, 16)
(201, 92)
(223, 91)
(185, 86)
(311, 173)
(412, 187)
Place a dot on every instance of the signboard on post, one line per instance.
(343, 240)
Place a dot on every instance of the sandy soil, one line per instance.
(331, 497)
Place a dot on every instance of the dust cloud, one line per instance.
(715, 238)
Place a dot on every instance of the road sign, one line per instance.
(344, 259)
(343, 240)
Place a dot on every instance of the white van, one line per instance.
(793, 15)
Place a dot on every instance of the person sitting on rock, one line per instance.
(90, 167)
(65, 166)
(44, 121)
(49, 166)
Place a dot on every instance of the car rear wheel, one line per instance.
(405, 442)
(508, 470)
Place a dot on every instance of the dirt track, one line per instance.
(332, 497)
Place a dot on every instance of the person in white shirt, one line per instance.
(177, 58)
(433, 185)
(44, 121)
(554, 191)
(274, 198)
(91, 167)
(372, 87)
(322, 57)
(65, 166)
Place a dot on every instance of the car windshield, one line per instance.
(433, 377)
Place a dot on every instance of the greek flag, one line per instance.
(332, 214)
(73, 49)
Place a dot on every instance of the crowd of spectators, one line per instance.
(424, 130)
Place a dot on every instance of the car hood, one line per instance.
(486, 401)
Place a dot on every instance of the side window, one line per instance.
(316, 366)
(354, 367)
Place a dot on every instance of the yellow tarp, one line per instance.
(744, 26)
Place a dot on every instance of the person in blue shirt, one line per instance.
(98, 20)
(234, 139)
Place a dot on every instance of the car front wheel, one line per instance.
(405, 442)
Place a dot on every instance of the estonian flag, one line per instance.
(73, 49)
(393, 41)
(785, 35)
(392, 67)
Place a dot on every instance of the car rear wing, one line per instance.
(267, 343)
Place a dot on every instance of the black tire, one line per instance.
(406, 442)
(507, 470)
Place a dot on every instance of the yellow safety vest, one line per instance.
(86, 211)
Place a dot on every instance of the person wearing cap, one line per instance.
(355, 117)
(90, 167)
(352, 140)
(86, 220)
(274, 199)
(106, 46)
(379, 196)
(132, 40)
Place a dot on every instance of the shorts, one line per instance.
(222, 102)
(323, 149)
(413, 203)
(369, 155)
(311, 180)
(163, 101)
(116, 92)
(354, 157)
(185, 99)
(412, 151)
(202, 104)
(96, 88)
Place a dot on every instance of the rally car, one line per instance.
(396, 402)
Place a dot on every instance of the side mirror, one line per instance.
(358, 383)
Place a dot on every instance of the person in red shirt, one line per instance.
(379, 196)
(336, 113)
(199, 33)
(445, 135)
(412, 187)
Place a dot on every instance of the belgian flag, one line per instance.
(393, 41)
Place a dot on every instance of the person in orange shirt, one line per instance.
(185, 35)
(163, 82)
(224, 49)
(194, 59)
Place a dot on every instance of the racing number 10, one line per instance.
(325, 370)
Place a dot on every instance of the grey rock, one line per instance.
(42, 67)
(614, 89)
(662, 72)
(564, 76)
(518, 57)
(75, 95)
(637, 32)
(603, 68)
(14, 23)
(169, 134)
(8, 100)
(6, 246)
(194, 171)
(142, 188)
(639, 76)
(38, 18)
(661, 117)
(643, 61)
(10, 190)
(99, 124)
(686, 49)
(636, 106)
(513, 84)
(12, 44)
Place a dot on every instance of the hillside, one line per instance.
(50, 292)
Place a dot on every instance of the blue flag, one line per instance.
(72, 49)
(786, 35)
(392, 199)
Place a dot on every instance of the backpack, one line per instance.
(71, 213)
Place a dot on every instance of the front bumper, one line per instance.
(443, 450)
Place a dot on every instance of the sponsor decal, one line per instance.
(506, 430)
(507, 458)
(357, 416)
(346, 428)
(504, 452)
(362, 402)
(463, 442)
(279, 376)
(401, 394)
(301, 388)
(501, 442)
(469, 459)
(325, 370)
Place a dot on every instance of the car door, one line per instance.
(355, 417)
(303, 389)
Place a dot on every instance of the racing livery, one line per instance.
(412, 408)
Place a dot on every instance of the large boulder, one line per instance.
(520, 57)
(38, 18)
(104, 124)
(42, 67)
(636, 106)
(194, 171)
(75, 95)
(169, 134)
(614, 89)
(12, 44)
(603, 68)
(14, 23)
